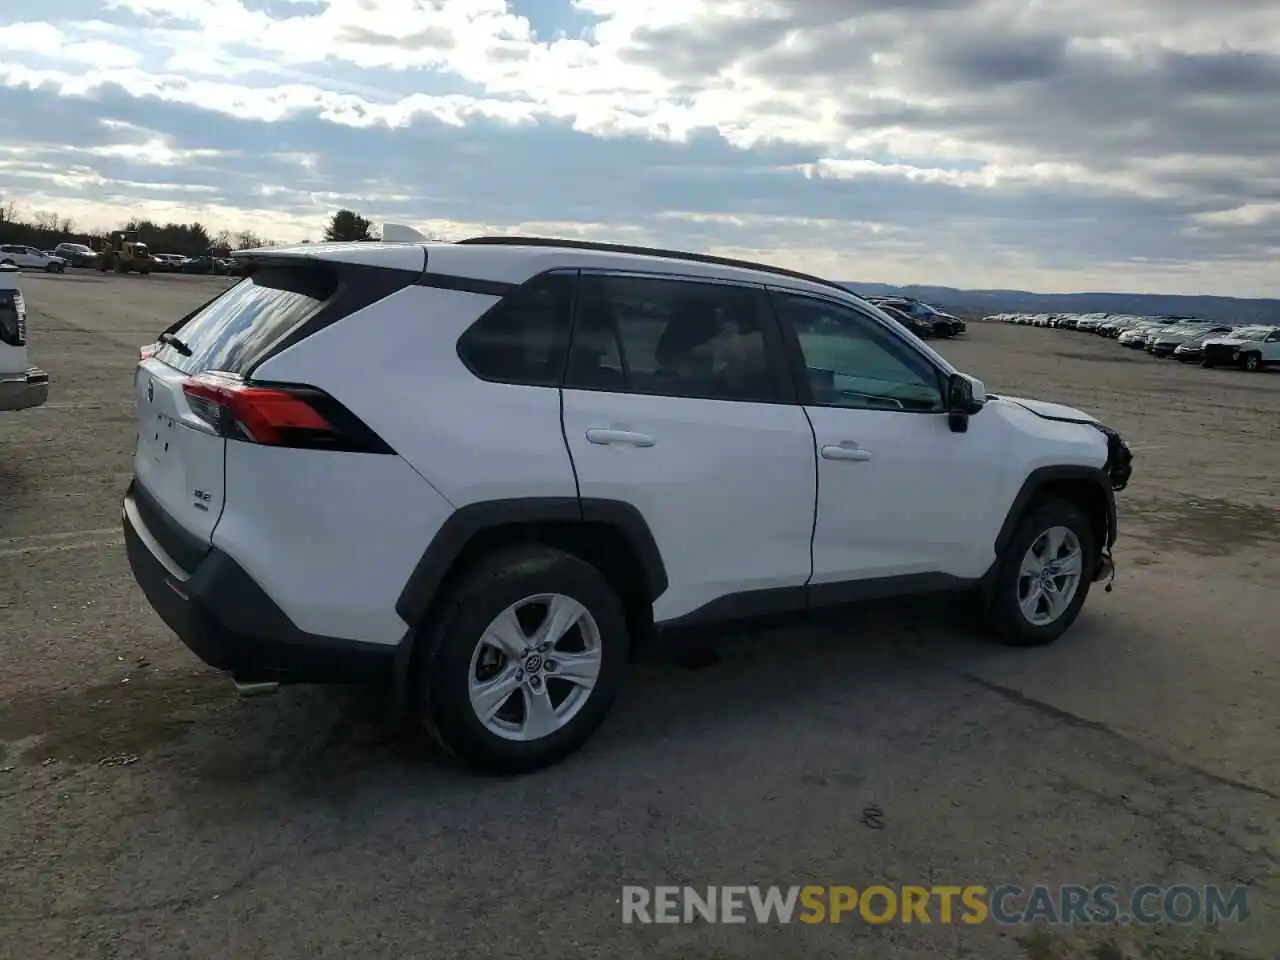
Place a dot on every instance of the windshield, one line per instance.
(233, 331)
(1209, 335)
(1250, 333)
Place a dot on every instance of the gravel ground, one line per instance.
(149, 813)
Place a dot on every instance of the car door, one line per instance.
(31, 258)
(675, 402)
(899, 494)
(1271, 347)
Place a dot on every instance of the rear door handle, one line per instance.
(605, 437)
(845, 451)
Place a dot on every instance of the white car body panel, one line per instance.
(727, 488)
(467, 445)
(331, 537)
(921, 520)
(177, 458)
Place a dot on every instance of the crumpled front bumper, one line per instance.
(22, 391)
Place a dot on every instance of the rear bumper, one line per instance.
(226, 619)
(24, 390)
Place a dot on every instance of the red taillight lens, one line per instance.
(278, 415)
(146, 350)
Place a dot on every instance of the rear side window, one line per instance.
(673, 337)
(237, 329)
(524, 338)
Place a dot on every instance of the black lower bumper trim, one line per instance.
(230, 623)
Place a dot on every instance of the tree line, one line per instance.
(45, 230)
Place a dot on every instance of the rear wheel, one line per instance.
(1251, 362)
(1044, 575)
(523, 662)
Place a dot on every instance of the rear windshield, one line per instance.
(236, 330)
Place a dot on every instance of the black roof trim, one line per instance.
(654, 252)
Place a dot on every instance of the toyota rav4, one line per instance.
(486, 472)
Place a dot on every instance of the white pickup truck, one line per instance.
(21, 385)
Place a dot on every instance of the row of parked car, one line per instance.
(66, 255)
(1210, 343)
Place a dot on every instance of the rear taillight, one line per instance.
(146, 350)
(278, 415)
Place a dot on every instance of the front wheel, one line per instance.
(523, 662)
(1251, 362)
(1207, 363)
(1043, 576)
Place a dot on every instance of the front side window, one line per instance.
(523, 339)
(853, 361)
(672, 337)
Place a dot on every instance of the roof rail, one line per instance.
(653, 252)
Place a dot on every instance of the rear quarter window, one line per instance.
(234, 331)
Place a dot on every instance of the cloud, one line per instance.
(979, 143)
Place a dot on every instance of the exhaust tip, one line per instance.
(256, 689)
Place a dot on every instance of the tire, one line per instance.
(1207, 363)
(1005, 616)
(445, 668)
(1251, 362)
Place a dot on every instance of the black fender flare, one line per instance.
(466, 522)
(1041, 477)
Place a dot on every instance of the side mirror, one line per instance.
(965, 397)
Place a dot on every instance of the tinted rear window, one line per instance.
(237, 329)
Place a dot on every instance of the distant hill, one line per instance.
(984, 302)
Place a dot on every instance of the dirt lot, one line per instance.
(148, 813)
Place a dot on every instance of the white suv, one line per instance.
(487, 471)
(21, 385)
(29, 258)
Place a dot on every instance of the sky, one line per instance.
(1049, 145)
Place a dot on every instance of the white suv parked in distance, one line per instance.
(29, 258)
(21, 385)
(486, 471)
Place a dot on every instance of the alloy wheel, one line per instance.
(1050, 576)
(535, 667)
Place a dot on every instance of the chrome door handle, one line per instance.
(845, 451)
(605, 437)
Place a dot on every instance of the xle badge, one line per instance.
(201, 499)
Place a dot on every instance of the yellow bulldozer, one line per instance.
(123, 252)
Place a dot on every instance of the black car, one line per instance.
(920, 327)
(941, 324)
(1192, 349)
(1166, 342)
(77, 254)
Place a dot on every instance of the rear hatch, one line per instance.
(181, 447)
